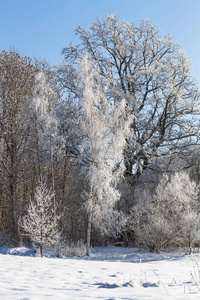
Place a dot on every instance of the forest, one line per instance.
(103, 148)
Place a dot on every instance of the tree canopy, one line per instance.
(152, 74)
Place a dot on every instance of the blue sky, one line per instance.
(43, 27)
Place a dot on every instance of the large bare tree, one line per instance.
(17, 76)
(152, 74)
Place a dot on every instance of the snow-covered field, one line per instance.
(110, 273)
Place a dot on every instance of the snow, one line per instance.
(110, 273)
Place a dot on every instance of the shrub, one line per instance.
(168, 216)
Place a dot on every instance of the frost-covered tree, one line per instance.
(152, 74)
(40, 222)
(41, 107)
(44, 120)
(169, 215)
(104, 129)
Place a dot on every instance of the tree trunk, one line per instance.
(89, 226)
(89, 230)
(12, 209)
(41, 250)
(90, 217)
(52, 165)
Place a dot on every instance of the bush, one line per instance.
(168, 216)
(73, 249)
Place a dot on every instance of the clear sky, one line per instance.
(42, 28)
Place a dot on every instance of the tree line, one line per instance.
(108, 129)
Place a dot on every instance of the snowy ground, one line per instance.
(111, 273)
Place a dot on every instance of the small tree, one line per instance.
(40, 223)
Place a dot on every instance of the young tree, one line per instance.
(40, 222)
(152, 74)
(104, 132)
